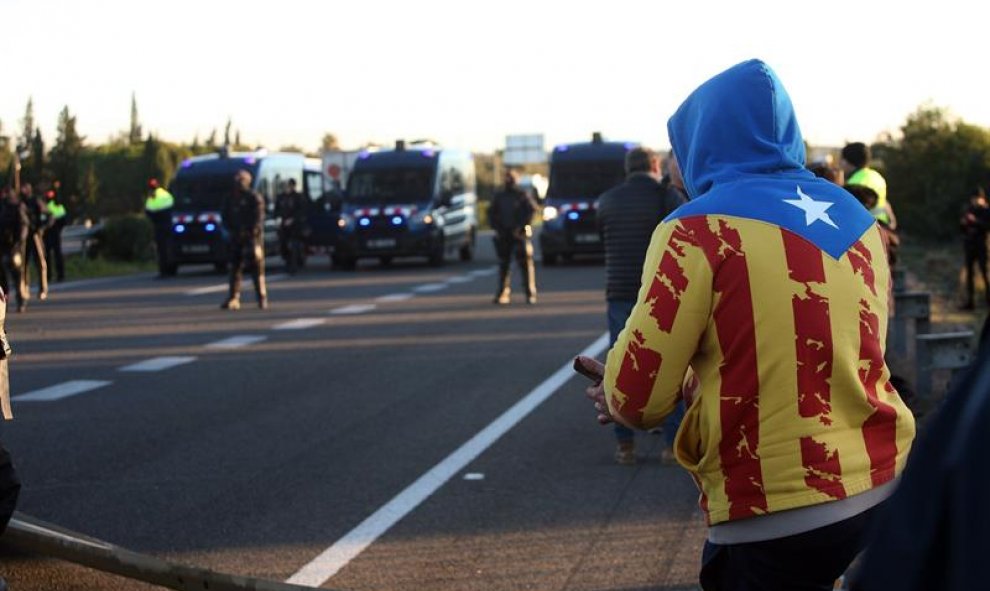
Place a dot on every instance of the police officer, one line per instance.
(53, 237)
(244, 219)
(510, 215)
(290, 208)
(40, 222)
(14, 229)
(158, 208)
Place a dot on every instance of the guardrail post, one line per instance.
(908, 307)
(899, 278)
(951, 350)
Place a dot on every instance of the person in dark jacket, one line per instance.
(244, 219)
(974, 225)
(53, 237)
(627, 216)
(290, 209)
(37, 210)
(510, 215)
(14, 229)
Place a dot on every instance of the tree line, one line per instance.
(932, 165)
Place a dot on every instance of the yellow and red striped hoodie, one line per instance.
(773, 287)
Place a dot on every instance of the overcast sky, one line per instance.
(468, 72)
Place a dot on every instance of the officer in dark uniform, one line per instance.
(37, 210)
(14, 229)
(244, 219)
(290, 208)
(510, 215)
(53, 237)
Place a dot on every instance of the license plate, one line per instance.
(587, 238)
(195, 248)
(381, 243)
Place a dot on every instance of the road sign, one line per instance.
(524, 149)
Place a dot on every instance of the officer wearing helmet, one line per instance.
(244, 220)
(158, 207)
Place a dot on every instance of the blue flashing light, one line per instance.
(572, 215)
(179, 228)
(364, 222)
(397, 220)
(186, 163)
(629, 145)
(561, 148)
(250, 160)
(210, 227)
(429, 153)
(364, 154)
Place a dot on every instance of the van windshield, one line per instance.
(201, 191)
(584, 179)
(391, 185)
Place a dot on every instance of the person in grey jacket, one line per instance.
(627, 216)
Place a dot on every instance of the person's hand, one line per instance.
(596, 393)
(594, 370)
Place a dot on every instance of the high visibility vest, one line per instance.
(56, 210)
(872, 179)
(159, 200)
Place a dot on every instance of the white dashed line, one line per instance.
(158, 364)
(354, 309)
(336, 557)
(484, 272)
(61, 391)
(300, 324)
(237, 342)
(430, 287)
(395, 297)
(460, 279)
(474, 476)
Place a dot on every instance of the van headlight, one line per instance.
(345, 222)
(421, 220)
(550, 213)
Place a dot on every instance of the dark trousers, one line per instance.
(507, 247)
(811, 561)
(10, 488)
(162, 230)
(976, 256)
(53, 252)
(36, 252)
(248, 253)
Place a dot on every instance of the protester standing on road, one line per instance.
(244, 220)
(10, 484)
(772, 286)
(974, 224)
(290, 209)
(627, 216)
(510, 215)
(53, 237)
(14, 229)
(158, 207)
(37, 210)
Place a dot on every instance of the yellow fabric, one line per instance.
(783, 433)
(159, 200)
(57, 210)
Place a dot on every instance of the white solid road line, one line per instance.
(334, 558)
(430, 287)
(158, 364)
(354, 309)
(395, 297)
(300, 324)
(236, 342)
(61, 391)
(222, 287)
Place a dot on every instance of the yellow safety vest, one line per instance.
(57, 210)
(159, 200)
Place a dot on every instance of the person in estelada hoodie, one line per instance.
(771, 286)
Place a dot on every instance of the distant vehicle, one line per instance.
(203, 182)
(411, 201)
(324, 213)
(579, 173)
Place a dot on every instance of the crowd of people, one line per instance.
(30, 235)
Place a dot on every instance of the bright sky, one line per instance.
(467, 72)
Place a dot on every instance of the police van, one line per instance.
(579, 174)
(416, 200)
(200, 187)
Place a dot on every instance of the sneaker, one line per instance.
(42, 296)
(625, 454)
(531, 299)
(502, 299)
(231, 304)
(263, 303)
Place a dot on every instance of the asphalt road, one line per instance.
(386, 398)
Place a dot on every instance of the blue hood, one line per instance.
(741, 153)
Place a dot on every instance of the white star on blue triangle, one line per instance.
(814, 211)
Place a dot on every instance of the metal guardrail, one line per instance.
(949, 350)
(32, 535)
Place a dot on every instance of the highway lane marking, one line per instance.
(395, 297)
(236, 342)
(456, 279)
(60, 391)
(354, 309)
(158, 364)
(430, 287)
(222, 287)
(483, 272)
(330, 561)
(300, 324)
(474, 476)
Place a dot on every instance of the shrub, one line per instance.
(126, 238)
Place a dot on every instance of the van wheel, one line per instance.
(549, 260)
